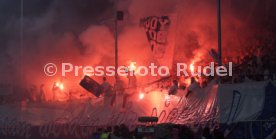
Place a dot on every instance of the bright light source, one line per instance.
(141, 95)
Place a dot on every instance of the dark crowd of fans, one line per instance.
(160, 132)
(255, 63)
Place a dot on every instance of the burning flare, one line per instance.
(132, 66)
(59, 85)
(192, 67)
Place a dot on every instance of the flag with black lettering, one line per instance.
(157, 31)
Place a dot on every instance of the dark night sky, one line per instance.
(69, 15)
(76, 15)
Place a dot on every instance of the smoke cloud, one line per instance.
(81, 32)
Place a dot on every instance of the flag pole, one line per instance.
(119, 15)
(116, 45)
(219, 34)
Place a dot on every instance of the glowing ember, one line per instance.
(141, 95)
